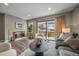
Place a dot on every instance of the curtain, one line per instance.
(60, 24)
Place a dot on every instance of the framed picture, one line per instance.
(18, 25)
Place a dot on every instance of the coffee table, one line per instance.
(39, 51)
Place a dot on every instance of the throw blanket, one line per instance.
(62, 44)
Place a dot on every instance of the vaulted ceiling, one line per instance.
(34, 10)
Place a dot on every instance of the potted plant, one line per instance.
(29, 30)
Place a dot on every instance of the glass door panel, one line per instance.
(42, 29)
(47, 29)
(50, 26)
(50, 29)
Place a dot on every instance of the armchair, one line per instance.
(6, 50)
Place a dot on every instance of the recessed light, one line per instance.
(29, 15)
(49, 9)
(6, 4)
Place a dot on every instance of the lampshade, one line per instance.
(66, 30)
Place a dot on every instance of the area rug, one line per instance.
(50, 52)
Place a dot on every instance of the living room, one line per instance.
(30, 29)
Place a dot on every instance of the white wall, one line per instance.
(10, 25)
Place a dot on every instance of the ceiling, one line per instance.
(33, 10)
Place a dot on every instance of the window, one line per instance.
(51, 26)
(41, 26)
(48, 26)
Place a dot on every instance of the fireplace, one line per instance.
(18, 34)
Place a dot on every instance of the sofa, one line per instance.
(68, 46)
(6, 50)
(66, 51)
(20, 45)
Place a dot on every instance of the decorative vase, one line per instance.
(38, 43)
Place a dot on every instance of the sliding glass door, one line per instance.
(47, 28)
(42, 29)
(50, 29)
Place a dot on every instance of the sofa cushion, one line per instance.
(68, 49)
(64, 35)
(73, 43)
(64, 52)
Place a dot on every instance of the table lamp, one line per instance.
(66, 30)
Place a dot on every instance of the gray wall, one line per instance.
(68, 20)
(2, 28)
(10, 25)
(75, 20)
